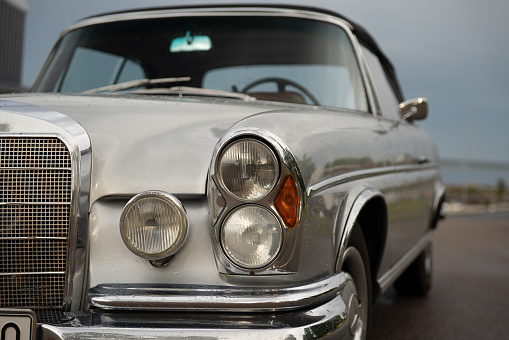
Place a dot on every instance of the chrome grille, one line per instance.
(35, 203)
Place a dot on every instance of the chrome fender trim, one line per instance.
(438, 209)
(354, 211)
(149, 297)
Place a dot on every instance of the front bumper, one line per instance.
(321, 322)
(314, 311)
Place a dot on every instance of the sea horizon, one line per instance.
(483, 173)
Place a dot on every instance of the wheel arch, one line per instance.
(369, 210)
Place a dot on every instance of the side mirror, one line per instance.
(414, 109)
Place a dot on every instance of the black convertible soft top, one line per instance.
(362, 34)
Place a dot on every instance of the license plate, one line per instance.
(17, 324)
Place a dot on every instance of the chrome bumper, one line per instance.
(214, 298)
(313, 311)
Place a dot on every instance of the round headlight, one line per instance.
(251, 237)
(153, 225)
(248, 169)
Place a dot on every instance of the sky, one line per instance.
(453, 52)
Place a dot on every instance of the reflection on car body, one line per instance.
(219, 172)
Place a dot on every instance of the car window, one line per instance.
(307, 61)
(387, 99)
(319, 79)
(91, 68)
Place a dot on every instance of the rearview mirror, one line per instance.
(414, 109)
(191, 43)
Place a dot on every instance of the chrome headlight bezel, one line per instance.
(222, 203)
(172, 205)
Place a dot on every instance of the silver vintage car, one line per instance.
(212, 172)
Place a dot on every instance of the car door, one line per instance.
(410, 200)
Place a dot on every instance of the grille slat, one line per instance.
(35, 201)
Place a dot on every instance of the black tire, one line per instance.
(356, 267)
(416, 279)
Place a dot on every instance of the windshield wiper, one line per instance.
(197, 91)
(136, 83)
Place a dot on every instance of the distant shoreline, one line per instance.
(480, 173)
(476, 163)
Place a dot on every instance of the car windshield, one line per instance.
(270, 58)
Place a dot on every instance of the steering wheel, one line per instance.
(281, 84)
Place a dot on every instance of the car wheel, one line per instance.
(416, 279)
(357, 291)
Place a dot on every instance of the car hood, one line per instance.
(142, 143)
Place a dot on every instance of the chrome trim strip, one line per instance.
(361, 174)
(127, 197)
(33, 168)
(399, 267)
(30, 273)
(350, 176)
(33, 238)
(438, 211)
(38, 203)
(439, 195)
(204, 11)
(367, 81)
(76, 139)
(215, 298)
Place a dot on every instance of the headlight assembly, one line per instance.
(254, 204)
(153, 225)
(248, 169)
(251, 236)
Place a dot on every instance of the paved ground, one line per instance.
(470, 294)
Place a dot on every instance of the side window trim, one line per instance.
(368, 86)
(377, 111)
(381, 85)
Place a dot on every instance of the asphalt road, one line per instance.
(470, 294)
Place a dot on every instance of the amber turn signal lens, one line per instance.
(287, 202)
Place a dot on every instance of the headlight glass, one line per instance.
(153, 225)
(248, 169)
(251, 237)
